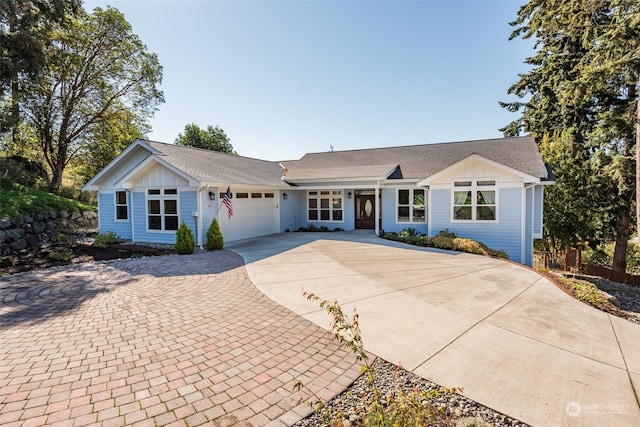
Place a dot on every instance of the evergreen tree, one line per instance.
(581, 91)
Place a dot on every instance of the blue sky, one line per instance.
(283, 78)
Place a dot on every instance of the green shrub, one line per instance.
(584, 291)
(215, 241)
(6, 261)
(102, 240)
(472, 422)
(185, 243)
(410, 232)
(63, 255)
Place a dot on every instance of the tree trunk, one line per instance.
(638, 167)
(622, 241)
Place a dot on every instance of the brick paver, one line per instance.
(173, 340)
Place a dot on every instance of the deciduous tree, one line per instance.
(213, 138)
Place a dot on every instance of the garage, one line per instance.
(255, 213)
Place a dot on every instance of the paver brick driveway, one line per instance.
(174, 340)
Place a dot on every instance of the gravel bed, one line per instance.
(389, 379)
(627, 296)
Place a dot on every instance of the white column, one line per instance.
(377, 205)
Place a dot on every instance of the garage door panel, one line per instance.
(251, 217)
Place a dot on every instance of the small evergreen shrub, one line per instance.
(6, 261)
(102, 240)
(63, 255)
(215, 241)
(185, 243)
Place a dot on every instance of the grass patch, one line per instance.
(16, 200)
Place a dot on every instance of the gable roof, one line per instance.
(418, 161)
(216, 167)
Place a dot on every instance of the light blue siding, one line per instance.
(389, 206)
(107, 216)
(187, 203)
(292, 211)
(528, 226)
(503, 235)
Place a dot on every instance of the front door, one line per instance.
(365, 211)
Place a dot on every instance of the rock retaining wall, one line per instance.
(28, 233)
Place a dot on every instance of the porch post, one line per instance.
(377, 205)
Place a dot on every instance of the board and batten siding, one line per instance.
(502, 235)
(187, 203)
(107, 216)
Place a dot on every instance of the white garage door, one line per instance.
(255, 213)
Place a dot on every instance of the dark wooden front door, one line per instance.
(365, 211)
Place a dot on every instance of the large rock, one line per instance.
(14, 234)
(18, 245)
(5, 223)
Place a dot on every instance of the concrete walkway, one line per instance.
(510, 338)
(173, 340)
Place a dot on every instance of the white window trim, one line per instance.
(411, 206)
(331, 196)
(115, 205)
(162, 197)
(474, 188)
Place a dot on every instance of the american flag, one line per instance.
(226, 199)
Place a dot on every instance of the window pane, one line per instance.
(121, 212)
(170, 222)
(242, 195)
(268, 195)
(337, 203)
(485, 183)
(155, 222)
(313, 193)
(154, 206)
(324, 203)
(486, 213)
(313, 203)
(418, 197)
(418, 215)
(486, 197)
(337, 193)
(324, 193)
(337, 215)
(170, 207)
(324, 215)
(313, 215)
(121, 198)
(462, 184)
(462, 198)
(256, 195)
(171, 191)
(462, 212)
(403, 213)
(153, 192)
(403, 197)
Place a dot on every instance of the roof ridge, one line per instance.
(188, 147)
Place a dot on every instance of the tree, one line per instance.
(213, 138)
(581, 90)
(25, 29)
(97, 71)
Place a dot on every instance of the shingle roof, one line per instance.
(417, 161)
(216, 167)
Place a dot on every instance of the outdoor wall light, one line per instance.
(349, 194)
(212, 195)
(285, 196)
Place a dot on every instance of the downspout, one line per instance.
(377, 205)
(524, 222)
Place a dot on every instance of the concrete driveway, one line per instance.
(510, 338)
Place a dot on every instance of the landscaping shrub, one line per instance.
(185, 243)
(215, 241)
(103, 239)
(6, 261)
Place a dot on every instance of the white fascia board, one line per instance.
(525, 176)
(91, 184)
(154, 158)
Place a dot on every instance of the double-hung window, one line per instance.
(475, 201)
(162, 209)
(411, 205)
(325, 205)
(122, 207)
